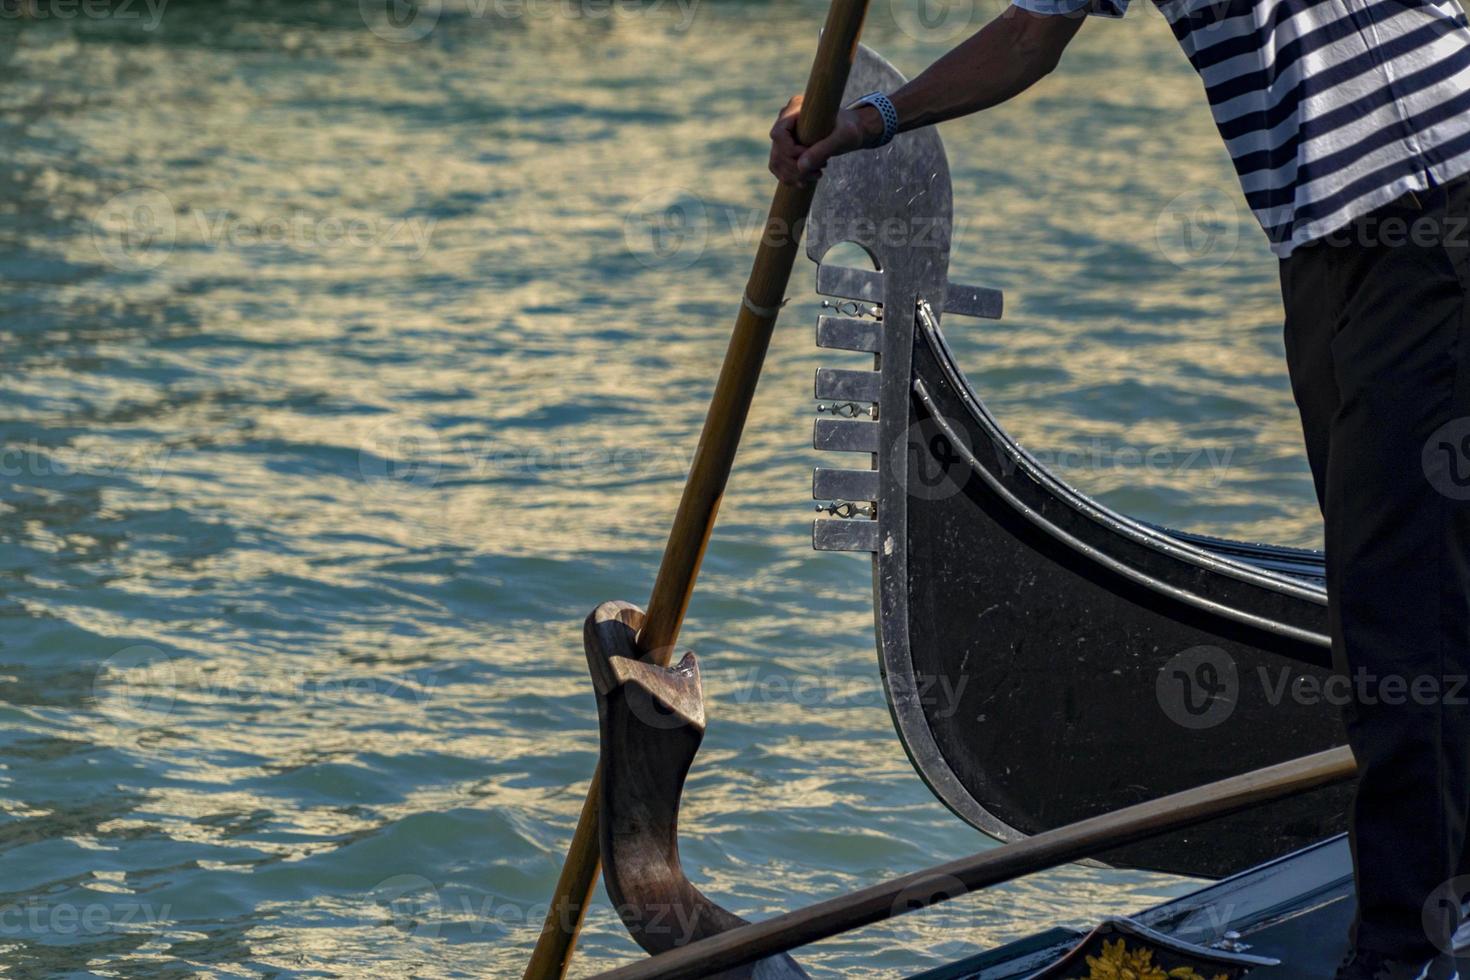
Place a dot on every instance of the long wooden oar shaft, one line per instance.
(764, 294)
(1071, 843)
(715, 456)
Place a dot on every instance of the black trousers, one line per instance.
(1378, 345)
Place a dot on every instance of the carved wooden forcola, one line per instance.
(651, 720)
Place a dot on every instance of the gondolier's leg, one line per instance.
(1379, 351)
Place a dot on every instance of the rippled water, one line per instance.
(344, 372)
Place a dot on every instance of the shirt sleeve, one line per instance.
(1093, 8)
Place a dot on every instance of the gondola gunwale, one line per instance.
(1258, 897)
(1094, 554)
(1153, 536)
(1109, 520)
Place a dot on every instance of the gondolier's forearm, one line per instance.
(1002, 60)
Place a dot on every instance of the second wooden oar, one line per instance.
(695, 519)
(1074, 842)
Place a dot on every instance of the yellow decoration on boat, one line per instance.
(1118, 962)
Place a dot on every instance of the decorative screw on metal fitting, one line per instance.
(846, 410)
(851, 307)
(846, 509)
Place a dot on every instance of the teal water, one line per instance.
(345, 369)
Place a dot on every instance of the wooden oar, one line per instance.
(759, 307)
(913, 891)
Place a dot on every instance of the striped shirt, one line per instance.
(1329, 108)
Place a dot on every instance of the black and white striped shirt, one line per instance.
(1330, 108)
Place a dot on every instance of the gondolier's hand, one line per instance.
(796, 165)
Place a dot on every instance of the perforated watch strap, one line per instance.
(885, 109)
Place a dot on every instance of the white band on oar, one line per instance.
(766, 312)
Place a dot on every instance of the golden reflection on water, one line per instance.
(317, 478)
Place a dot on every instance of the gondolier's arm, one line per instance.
(1002, 60)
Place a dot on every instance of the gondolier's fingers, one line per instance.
(846, 136)
(795, 164)
(785, 150)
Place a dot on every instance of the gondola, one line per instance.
(1063, 677)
